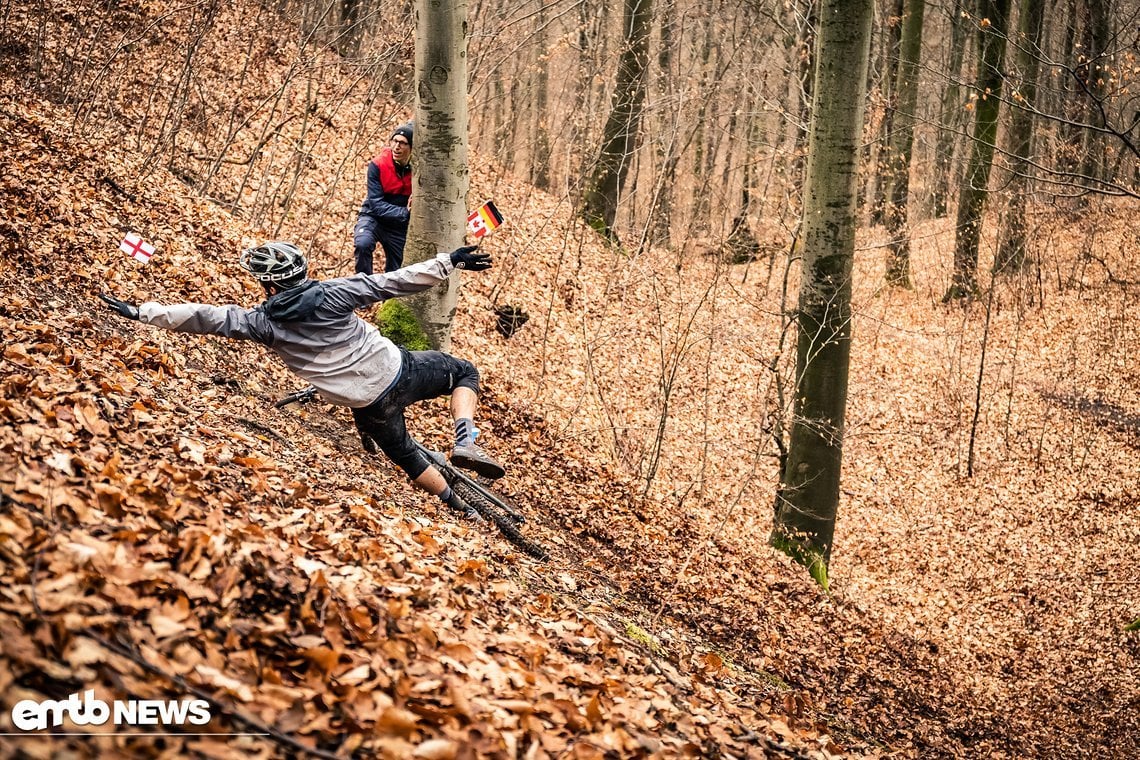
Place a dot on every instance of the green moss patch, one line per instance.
(397, 323)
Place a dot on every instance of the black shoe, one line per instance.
(456, 504)
(471, 457)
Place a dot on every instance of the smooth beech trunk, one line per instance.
(1012, 254)
(902, 142)
(441, 175)
(808, 499)
(972, 199)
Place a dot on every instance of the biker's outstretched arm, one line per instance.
(366, 289)
(200, 319)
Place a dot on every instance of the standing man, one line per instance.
(384, 214)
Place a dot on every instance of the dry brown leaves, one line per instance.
(154, 505)
(152, 498)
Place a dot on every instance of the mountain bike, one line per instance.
(490, 506)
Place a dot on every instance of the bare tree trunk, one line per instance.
(901, 144)
(877, 191)
(1096, 72)
(806, 22)
(661, 209)
(950, 112)
(701, 144)
(1071, 101)
(440, 169)
(540, 141)
(1011, 254)
(350, 28)
(972, 200)
(808, 499)
(619, 138)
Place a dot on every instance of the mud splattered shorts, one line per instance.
(423, 375)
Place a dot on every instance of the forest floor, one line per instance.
(156, 509)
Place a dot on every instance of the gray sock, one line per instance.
(464, 431)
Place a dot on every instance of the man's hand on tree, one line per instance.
(122, 308)
(466, 258)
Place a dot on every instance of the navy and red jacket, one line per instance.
(389, 188)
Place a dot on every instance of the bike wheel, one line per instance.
(494, 500)
(507, 525)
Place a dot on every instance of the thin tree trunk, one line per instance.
(698, 217)
(808, 499)
(877, 190)
(950, 113)
(972, 200)
(1096, 72)
(1072, 103)
(1011, 254)
(540, 152)
(619, 138)
(807, 22)
(661, 209)
(440, 169)
(902, 143)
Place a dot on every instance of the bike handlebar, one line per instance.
(304, 396)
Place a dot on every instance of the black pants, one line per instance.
(368, 231)
(423, 375)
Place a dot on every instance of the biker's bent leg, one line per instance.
(434, 373)
(391, 434)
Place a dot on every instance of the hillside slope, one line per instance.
(154, 503)
(152, 497)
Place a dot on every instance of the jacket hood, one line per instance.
(296, 303)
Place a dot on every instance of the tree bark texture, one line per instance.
(808, 499)
(661, 210)
(619, 137)
(950, 114)
(440, 172)
(901, 143)
(1095, 72)
(805, 20)
(1011, 254)
(887, 69)
(972, 199)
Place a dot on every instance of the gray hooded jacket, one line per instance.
(313, 329)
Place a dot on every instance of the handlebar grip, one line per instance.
(308, 394)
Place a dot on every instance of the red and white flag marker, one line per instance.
(134, 246)
(484, 219)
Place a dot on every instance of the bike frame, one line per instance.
(482, 499)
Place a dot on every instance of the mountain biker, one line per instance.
(311, 325)
(385, 213)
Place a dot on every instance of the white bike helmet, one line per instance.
(275, 262)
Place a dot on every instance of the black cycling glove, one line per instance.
(456, 503)
(466, 258)
(122, 308)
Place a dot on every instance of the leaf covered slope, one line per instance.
(156, 508)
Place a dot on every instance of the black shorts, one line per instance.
(423, 375)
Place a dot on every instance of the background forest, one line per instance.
(162, 530)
